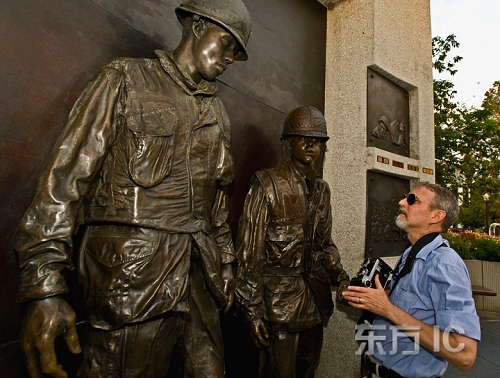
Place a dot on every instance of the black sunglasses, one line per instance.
(412, 198)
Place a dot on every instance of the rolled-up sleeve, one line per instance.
(43, 240)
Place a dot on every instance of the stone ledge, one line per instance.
(482, 290)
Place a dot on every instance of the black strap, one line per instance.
(378, 369)
(415, 249)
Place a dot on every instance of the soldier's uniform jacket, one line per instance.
(142, 163)
(283, 212)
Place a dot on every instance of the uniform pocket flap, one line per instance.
(111, 251)
(158, 122)
(285, 230)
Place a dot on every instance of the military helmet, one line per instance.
(230, 14)
(305, 121)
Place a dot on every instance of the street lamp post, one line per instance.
(486, 198)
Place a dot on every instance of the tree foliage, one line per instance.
(492, 100)
(467, 141)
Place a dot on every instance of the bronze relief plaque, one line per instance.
(387, 115)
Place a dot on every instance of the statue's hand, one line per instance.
(341, 288)
(259, 333)
(44, 320)
(228, 279)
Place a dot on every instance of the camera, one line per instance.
(369, 269)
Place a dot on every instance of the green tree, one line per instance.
(492, 100)
(467, 141)
(446, 115)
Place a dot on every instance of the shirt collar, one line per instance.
(428, 248)
(182, 78)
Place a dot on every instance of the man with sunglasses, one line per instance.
(428, 318)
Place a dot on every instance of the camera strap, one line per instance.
(415, 249)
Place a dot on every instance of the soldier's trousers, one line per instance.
(292, 354)
(145, 349)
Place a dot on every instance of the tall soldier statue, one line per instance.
(288, 261)
(141, 166)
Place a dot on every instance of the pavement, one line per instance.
(487, 364)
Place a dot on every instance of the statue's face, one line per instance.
(214, 50)
(304, 150)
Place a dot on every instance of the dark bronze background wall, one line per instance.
(51, 49)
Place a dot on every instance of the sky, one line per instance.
(476, 25)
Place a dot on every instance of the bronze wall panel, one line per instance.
(286, 50)
(50, 51)
(383, 237)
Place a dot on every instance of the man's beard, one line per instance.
(402, 222)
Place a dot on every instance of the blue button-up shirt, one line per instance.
(438, 292)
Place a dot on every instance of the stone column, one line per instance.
(392, 38)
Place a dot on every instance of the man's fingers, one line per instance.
(263, 335)
(378, 285)
(48, 360)
(72, 341)
(262, 342)
(263, 331)
(230, 300)
(31, 360)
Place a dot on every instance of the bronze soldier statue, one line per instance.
(141, 166)
(288, 261)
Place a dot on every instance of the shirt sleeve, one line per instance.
(250, 250)
(43, 240)
(449, 287)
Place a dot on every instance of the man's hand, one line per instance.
(373, 300)
(229, 281)
(44, 320)
(259, 333)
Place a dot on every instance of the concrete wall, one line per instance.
(485, 273)
(394, 39)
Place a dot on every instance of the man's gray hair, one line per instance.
(443, 200)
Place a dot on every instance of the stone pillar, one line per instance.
(392, 38)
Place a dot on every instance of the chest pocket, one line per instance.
(285, 230)
(286, 236)
(405, 294)
(151, 145)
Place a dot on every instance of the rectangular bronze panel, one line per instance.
(387, 121)
(383, 237)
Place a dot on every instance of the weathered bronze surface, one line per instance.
(51, 53)
(288, 261)
(141, 167)
(383, 237)
(388, 124)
